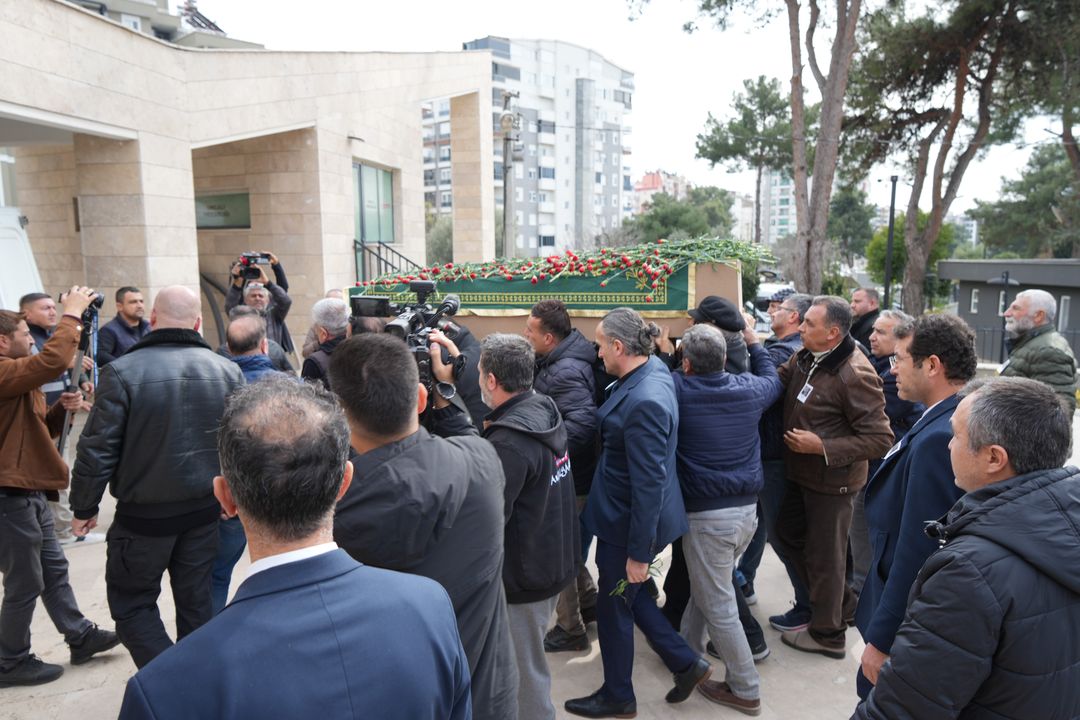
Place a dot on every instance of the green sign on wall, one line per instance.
(227, 211)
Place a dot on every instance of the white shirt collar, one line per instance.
(292, 556)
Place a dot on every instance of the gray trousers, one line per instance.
(715, 541)
(33, 565)
(583, 589)
(62, 516)
(859, 542)
(528, 624)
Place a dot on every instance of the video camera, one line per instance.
(249, 263)
(414, 322)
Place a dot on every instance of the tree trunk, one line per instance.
(812, 208)
(757, 206)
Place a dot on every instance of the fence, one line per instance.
(988, 343)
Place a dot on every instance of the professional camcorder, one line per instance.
(413, 322)
(249, 263)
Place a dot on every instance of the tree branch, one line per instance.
(811, 54)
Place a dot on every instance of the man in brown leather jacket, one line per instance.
(31, 560)
(834, 422)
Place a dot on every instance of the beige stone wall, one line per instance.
(280, 172)
(45, 175)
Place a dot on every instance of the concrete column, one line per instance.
(136, 213)
(45, 178)
(472, 175)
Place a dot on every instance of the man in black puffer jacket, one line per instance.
(152, 437)
(564, 372)
(993, 623)
(542, 544)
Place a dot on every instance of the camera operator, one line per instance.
(428, 505)
(268, 297)
(31, 560)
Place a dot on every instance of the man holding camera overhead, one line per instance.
(31, 560)
(151, 438)
(251, 286)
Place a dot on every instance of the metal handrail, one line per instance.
(386, 259)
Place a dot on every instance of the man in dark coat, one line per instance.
(993, 626)
(128, 327)
(311, 633)
(150, 439)
(865, 304)
(426, 503)
(834, 420)
(634, 510)
(330, 318)
(564, 372)
(915, 481)
(720, 482)
(542, 547)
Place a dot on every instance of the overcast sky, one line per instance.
(680, 78)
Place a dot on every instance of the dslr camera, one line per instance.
(414, 322)
(249, 263)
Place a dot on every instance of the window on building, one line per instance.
(374, 197)
(444, 108)
(532, 241)
(429, 177)
(532, 173)
(547, 241)
(447, 199)
(1063, 313)
(520, 240)
(532, 197)
(498, 171)
(973, 306)
(599, 178)
(444, 152)
(545, 126)
(566, 205)
(546, 172)
(519, 171)
(532, 219)
(542, 197)
(519, 194)
(131, 21)
(429, 154)
(532, 150)
(444, 128)
(444, 176)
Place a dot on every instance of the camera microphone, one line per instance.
(451, 303)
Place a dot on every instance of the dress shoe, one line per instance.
(802, 640)
(720, 693)
(558, 640)
(93, 642)
(595, 706)
(688, 679)
(31, 671)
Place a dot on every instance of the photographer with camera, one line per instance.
(31, 468)
(251, 286)
(428, 505)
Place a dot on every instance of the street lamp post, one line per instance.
(889, 244)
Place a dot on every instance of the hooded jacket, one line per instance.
(993, 623)
(433, 506)
(566, 376)
(543, 540)
(152, 434)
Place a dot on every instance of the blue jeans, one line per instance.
(769, 499)
(231, 544)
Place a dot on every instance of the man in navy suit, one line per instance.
(635, 508)
(914, 483)
(311, 633)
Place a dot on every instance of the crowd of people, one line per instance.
(418, 548)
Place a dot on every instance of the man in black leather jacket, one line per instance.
(152, 438)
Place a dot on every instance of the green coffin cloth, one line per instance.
(583, 296)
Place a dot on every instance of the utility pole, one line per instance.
(889, 245)
(508, 122)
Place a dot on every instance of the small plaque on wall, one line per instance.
(226, 211)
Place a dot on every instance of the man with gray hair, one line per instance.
(311, 632)
(634, 510)
(150, 439)
(542, 542)
(719, 468)
(834, 420)
(1037, 350)
(993, 624)
(330, 319)
(311, 340)
(269, 297)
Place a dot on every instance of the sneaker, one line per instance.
(93, 642)
(748, 593)
(720, 693)
(803, 641)
(759, 652)
(31, 671)
(793, 620)
(558, 640)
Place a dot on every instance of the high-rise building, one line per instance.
(571, 177)
(188, 28)
(777, 206)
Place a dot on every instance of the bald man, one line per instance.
(151, 438)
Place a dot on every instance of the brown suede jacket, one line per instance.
(28, 457)
(846, 409)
